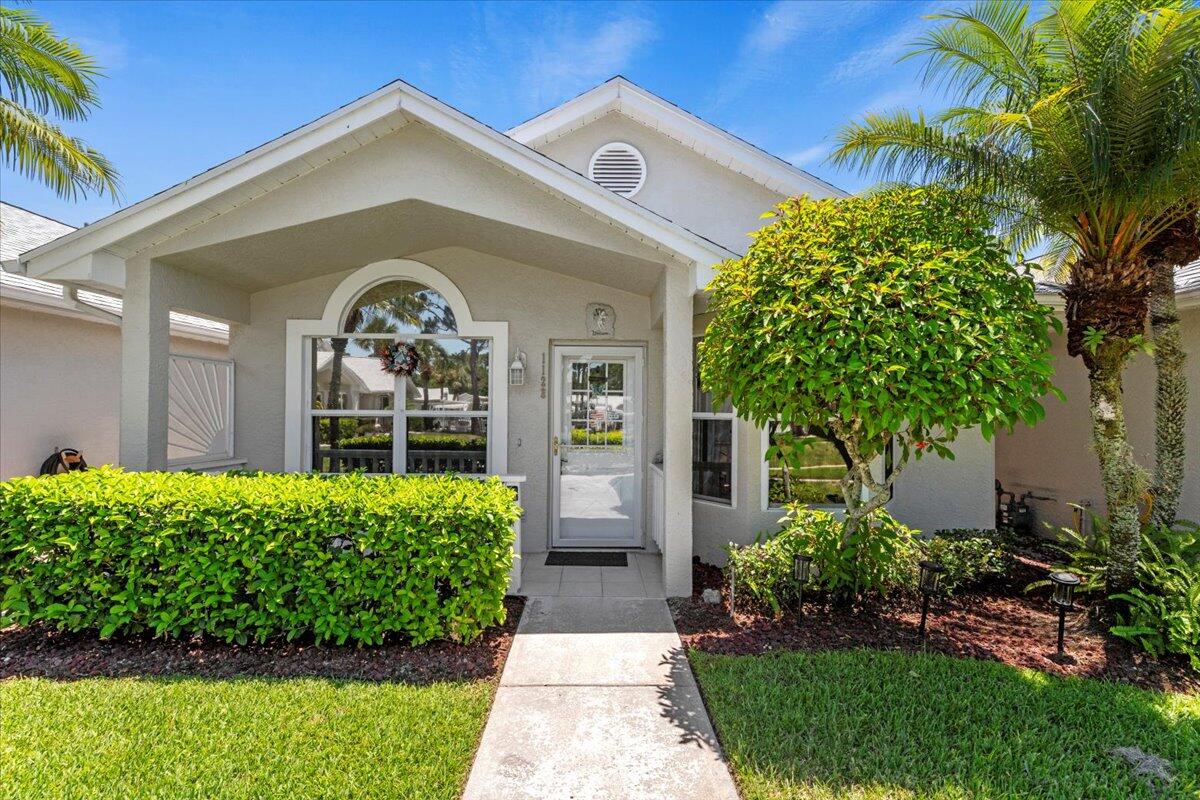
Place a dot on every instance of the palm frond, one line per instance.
(38, 149)
(43, 72)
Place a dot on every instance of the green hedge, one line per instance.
(250, 557)
(579, 436)
(466, 442)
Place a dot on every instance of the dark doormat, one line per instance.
(559, 558)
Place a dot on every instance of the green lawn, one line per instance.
(191, 738)
(859, 725)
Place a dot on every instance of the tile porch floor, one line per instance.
(641, 578)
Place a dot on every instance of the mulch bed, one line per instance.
(997, 622)
(38, 651)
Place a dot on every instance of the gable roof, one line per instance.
(298, 152)
(621, 95)
(21, 230)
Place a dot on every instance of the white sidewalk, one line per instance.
(597, 702)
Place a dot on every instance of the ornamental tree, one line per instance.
(895, 316)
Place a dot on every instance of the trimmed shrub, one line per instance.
(242, 558)
(417, 441)
(598, 438)
(879, 557)
(969, 555)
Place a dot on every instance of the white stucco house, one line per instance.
(60, 358)
(552, 278)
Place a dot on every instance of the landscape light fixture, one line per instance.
(1063, 599)
(930, 583)
(801, 567)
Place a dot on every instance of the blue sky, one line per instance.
(190, 85)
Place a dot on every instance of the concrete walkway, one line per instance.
(597, 701)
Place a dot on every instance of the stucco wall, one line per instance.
(1056, 459)
(682, 185)
(539, 305)
(60, 381)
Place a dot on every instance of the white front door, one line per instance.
(596, 446)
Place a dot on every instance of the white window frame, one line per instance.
(298, 376)
(732, 417)
(399, 412)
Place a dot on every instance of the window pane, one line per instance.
(447, 444)
(400, 307)
(702, 400)
(453, 376)
(345, 444)
(347, 374)
(712, 454)
(816, 481)
(598, 401)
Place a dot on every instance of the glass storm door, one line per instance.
(596, 447)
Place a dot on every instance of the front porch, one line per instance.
(641, 577)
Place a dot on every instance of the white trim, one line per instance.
(637, 353)
(621, 95)
(297, 381)
(733, 419)
(235, 182)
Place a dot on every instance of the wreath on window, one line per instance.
(400, 358)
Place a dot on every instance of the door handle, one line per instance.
(554, 446)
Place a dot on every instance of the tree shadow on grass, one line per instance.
(39, 651)
(872, 724)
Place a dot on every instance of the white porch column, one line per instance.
(145, 351)
(677, 430)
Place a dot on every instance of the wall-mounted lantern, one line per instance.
(516, 370)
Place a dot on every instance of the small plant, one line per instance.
(968, 554)
(1162, 613)
(880, 557)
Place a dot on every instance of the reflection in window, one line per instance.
(400, 307)
(447, 444)
(712, 459)
(348, 444)
(816, 480)
(453, 377)
(347, 374)
(713, 436)
(597, 405)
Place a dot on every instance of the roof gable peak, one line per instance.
(621, 95)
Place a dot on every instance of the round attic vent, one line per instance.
(618, 167)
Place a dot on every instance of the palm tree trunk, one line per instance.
(1124, 480)
(1170, 397)
(1174, 247)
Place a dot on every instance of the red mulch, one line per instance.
(38, 651)
(996, 622)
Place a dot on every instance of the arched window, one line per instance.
(364, 417)
(400, 307)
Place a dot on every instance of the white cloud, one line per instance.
(872, 60)
(563, 64)
(781, 26)
(533, 66)
(809, 155)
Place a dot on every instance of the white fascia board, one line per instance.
(689, 130)
(182, 197)
(558, 121)
(588, 194)
(101, 270)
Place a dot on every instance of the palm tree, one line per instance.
(1069, 128)
(42, 74)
